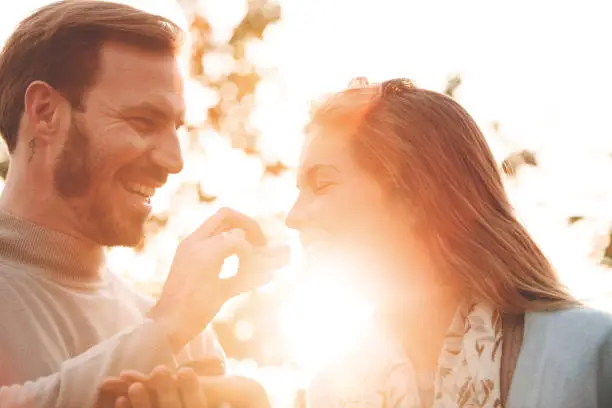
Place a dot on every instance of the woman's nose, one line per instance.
(295, 218)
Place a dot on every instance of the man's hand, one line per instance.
(193, 292)
(159, 390)
(162, 390)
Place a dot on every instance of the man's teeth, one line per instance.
(140, 189)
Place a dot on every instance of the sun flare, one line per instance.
(323, 319)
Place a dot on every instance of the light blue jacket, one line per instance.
(565, 362)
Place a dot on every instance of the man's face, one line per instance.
(123, 144)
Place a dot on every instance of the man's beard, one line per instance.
(73, 177)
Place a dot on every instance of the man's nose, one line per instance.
(167, 154)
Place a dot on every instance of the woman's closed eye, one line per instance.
(321, 186)
(319, 178)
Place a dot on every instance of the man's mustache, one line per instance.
(155, 174)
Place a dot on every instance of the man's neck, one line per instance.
(32, 248)
(22, 198)
(43, 230)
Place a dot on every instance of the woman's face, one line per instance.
(342, 206)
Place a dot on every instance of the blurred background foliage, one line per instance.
(241, 144)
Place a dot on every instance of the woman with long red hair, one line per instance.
(470, 311)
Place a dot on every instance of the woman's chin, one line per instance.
(319, 250)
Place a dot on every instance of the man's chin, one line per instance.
(121, 233)
(124, 240)
(130, 242)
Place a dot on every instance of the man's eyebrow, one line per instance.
(161, 109)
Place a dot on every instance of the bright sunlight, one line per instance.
(544, 88)
(323, 320)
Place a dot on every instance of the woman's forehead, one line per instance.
(324, 147)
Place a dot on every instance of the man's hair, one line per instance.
(60, 44)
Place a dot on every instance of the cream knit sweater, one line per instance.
(60, 336)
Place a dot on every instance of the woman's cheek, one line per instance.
(328, 213)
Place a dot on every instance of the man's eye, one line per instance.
(142, 124)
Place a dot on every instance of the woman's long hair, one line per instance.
(425, 147)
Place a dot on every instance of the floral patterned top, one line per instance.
(379, 375)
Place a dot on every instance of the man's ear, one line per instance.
(44, 110)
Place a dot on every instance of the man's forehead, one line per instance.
(130, 77)
(133, 68)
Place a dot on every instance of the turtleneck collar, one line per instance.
(65, 257)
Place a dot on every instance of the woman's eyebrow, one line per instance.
(314, 170)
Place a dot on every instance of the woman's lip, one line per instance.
(307, 240)
(310, 242)
(317, 247)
